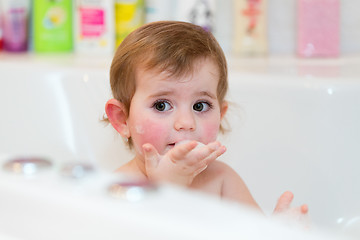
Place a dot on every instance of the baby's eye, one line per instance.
(162, 106)
(201, 106)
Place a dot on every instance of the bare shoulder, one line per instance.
(220, 170)
(213, 178)
(126, 168)
(221, 179)
(130, 169)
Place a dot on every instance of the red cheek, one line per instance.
(211, 132)
(151, 132)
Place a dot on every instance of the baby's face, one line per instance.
(165, 110)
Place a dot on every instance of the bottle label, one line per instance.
(52, 25)
(92, 22)
(252, 12)
(250, 27)
(15, 29)
(129, 15)
(54, 18)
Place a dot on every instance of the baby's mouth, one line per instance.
(174, 144)
(171, 145)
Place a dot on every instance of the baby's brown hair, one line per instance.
(169, 46)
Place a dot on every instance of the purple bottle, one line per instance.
(15, 25)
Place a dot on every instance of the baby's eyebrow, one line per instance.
(209, 94)
(161, 94)
(170, 92)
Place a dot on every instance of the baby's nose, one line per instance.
(184, 121)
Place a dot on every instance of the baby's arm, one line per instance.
(234, 188)
(181, 164)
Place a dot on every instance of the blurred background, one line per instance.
(293, 113)
(303, 28)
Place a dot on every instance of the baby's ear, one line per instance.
(117, 116)
(223, 109)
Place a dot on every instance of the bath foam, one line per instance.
(139, 129)
(199, 144)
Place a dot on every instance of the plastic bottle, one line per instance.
(202, 14)
(94, 27)
(250, 27)
(129, 15)
(15, 25)
(1, 27)
(318, 28)
(199, 12)
(52, 30)
(157, 10)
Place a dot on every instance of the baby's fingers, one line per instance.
(284, 202)
(179, 152)
(210, 152)
(151, 156)
(200, 169)
(216, 152)
(304, 209)
(202, 165)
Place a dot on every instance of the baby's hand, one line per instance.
(283, 209)
(182, 163)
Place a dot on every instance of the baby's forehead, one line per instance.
(204, 74)
(178, 71)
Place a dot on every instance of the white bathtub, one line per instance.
(294, 127)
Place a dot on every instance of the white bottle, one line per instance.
(199, 12)
(158, 10)
(94, 27)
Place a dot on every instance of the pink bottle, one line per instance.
(14, 22)
(1, 28)
(318, 28)
(1, 35)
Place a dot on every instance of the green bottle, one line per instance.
(52, 21)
